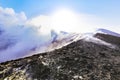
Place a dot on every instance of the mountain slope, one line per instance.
(108, 38)
(80, 60)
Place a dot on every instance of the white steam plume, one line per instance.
(16, 38)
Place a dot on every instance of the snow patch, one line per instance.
(90, 38)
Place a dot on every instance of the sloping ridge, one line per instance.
(108, 38)
(80, 60)
(105, 31)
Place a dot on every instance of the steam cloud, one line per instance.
(17, 39)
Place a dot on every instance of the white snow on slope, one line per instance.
(63, 40)
(91, 38)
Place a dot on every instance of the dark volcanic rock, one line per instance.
(80, 60)
(108, 38)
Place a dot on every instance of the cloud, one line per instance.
(78, 23)
(66, 20)
(9, 18)
(17, 39)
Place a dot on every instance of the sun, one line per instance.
(64, 19)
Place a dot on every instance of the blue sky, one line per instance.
(102, 8)
(97, 13)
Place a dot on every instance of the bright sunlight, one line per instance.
(64, 19)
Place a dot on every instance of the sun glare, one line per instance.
(64, 19)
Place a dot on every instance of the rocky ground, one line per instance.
(79, 60)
